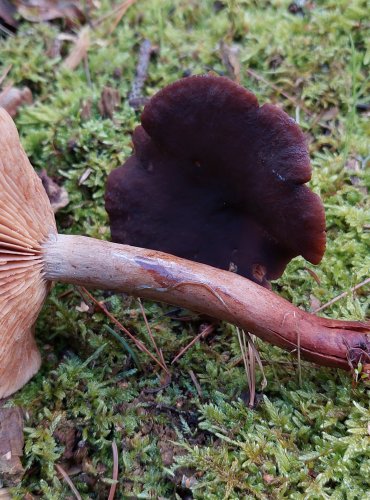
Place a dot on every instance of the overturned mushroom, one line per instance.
(218, 179)
(26, 220)
(33, 255)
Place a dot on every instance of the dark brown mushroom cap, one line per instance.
(217, 179)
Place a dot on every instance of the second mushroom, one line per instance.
(218, 179)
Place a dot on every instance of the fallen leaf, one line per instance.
(58, 195)
(11, 445)
(7, 11)
(85, 176)
(188, 482)
(66, 434)
(83, 307)
(329, 114)
(314, 303)
(37, 11)
(85, 112)
(5, 73)
(11, 98)
(230, 59)
(79, 51)
(121, 11)
(4, 494)
(54, 48)
(109, 101)
(354, 165)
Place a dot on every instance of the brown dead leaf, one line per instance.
(230, 59)
(11, 98)
(5, 73)
(85, 111)
(66, 435)
(37, 11)
(11, 445)
(354, 165)
(109, 102)
(54, 48)
(58, 195)
(188, 482)
(329, 114)
(4, 494)
(314, 303)
(79, 51)
(7, 11)
(121, 11)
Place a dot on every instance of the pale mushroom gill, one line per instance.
(26, 220)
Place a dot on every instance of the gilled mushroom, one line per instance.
(33, 255)
(218, 179)
(26, 221)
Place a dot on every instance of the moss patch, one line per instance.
(302, 441)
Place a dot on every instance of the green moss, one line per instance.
(302, 441)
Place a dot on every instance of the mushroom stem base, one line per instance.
(221, 294)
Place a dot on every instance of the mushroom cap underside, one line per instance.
(218, 179)
(26, 220)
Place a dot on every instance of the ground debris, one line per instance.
(37, 11)
(11, 98)
(11, 445)
(4, 494)
(7, 11)
(230, 59)
(136, 98)
(353, 165)
(79, 51)
(86, 112)
(109, 102)
(58, 195)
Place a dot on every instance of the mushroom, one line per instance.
(26, 221)
(215, 178)
(33, 255)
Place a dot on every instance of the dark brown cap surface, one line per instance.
(217, 179)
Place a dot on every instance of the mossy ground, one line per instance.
(308, 440)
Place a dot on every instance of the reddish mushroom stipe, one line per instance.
(217, 179)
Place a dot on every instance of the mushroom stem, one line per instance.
(221, 294)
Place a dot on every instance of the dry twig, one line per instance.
(342, 295)
(118, 11)
(136, 341)
(293, 100)
(154, 343)
(113, 487)
(203, 334)
(68, 480)
(196, 383)
(136, 99)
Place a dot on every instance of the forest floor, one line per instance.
(309, 434)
